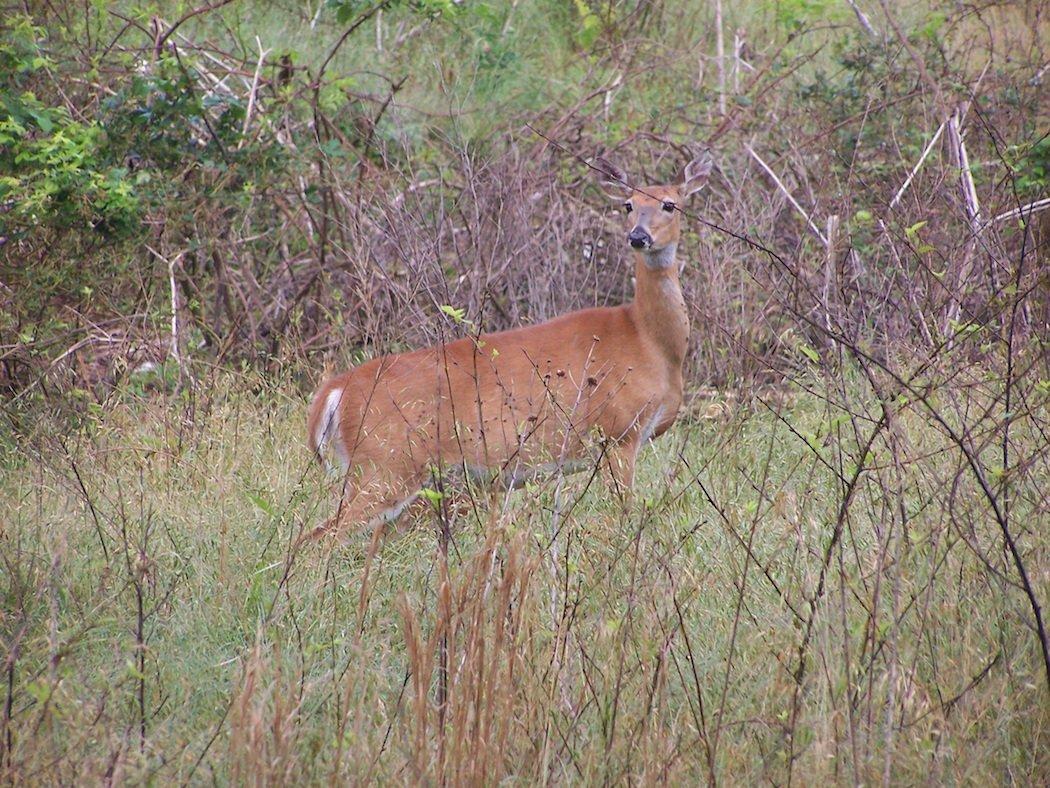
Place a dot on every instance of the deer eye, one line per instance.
(668, 206)
(627, 207)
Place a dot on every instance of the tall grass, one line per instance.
(164, 625)
(835, 567)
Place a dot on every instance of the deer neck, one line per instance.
(659, 307)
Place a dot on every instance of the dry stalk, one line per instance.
(787, 193)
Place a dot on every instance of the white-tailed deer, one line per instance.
(593, 385)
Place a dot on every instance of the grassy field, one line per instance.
(166, 628)
(836, 566)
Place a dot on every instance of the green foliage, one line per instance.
(346, 11)
(931, 29)
(794, 15)
(20, 54)
(162, 119)
(457, 315)
(56, 169)
(156, 144)
(1031, 164)
(912, 234)
(245, 629)
(102, 174)
(590, 24)
(55, 174)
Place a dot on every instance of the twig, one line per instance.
(174, 346)
(926, 152)
(254, 90)
(973, 209)
(788, 194)
(159, 44)
(969, 191)
(829, 269)
(1023, 211)
(920, 62)
(720, 50)
(862, 18)
(364, 17)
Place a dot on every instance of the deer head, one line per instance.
(653, 218)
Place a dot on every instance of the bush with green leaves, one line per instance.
(58, 171)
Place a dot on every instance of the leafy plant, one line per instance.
(796, 14)
(1031, 164)
(57, 171)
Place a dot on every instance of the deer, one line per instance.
(587, 388)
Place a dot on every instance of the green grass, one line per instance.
(263, 660)
(762, 611)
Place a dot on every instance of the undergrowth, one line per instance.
(165, 625)
(835, 565)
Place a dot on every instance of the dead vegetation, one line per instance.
(837, 568)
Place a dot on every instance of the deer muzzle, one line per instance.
(639, 238)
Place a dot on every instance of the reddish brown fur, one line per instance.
(513, 400)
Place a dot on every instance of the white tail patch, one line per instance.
(327, 431)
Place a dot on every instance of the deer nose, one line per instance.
(639, 238)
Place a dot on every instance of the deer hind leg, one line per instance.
(371, 503)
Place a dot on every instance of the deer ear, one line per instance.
(696, 173)
(612, 179)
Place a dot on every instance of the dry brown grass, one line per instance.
(837, 563)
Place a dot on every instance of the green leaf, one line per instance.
(434, 496)
(456, 314)
(590, 24)
(133, 670)
(809, 352)
(913, 232)
(42, 120)
(261, 502)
